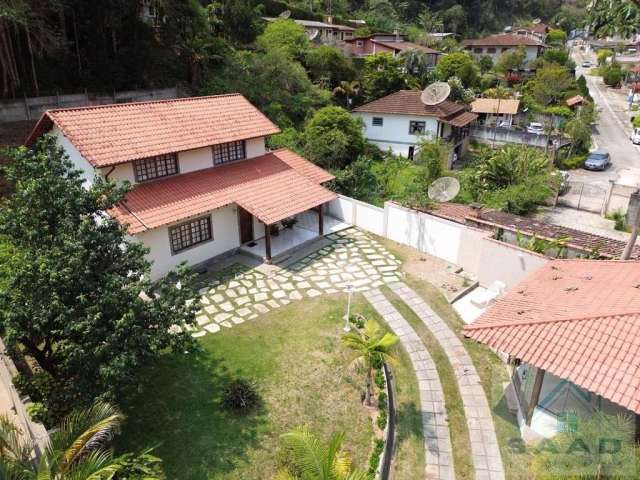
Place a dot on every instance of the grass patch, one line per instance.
(493, 376)
(295, 356)
(460, 443)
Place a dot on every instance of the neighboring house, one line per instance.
(571, 330)
(387, 43)
(327, 32)
(203, 182)
(495, 45)
(538, 30)
(575, 102)
(495, 111)
(400, 120)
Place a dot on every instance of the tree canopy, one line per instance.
(76, 294)
(461, 65)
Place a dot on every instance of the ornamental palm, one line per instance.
(77, 450)
(371, 347)
(314, 461)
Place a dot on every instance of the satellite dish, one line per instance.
(444, 189)
(435, 93)
(313, 34)
(537, 21)
(285, 14)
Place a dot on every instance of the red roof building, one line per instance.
(400, 120)
(573, 324)
(387, 43)
(494, 46)
(204, 183)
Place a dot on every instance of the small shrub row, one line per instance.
(379, 379)
(382, 419)
(572, 162)
(374, 460)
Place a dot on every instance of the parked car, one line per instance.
(635, 136)
(586, 64)
(598, 160)
(535, 128)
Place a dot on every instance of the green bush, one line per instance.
(37, 411)
(240, 396)
(374, 460)
(520, 199)
(572, 162)
(379, 379)
(382, 401)
(620, 220)
(382, 419)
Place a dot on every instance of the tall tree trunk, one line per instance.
(75, 38)
(33, 63)
(43, 360)
(11, 77)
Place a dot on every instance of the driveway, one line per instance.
(611, 132)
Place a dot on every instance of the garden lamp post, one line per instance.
(349, 290)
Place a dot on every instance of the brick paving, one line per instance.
(484, 443)
(437, 440)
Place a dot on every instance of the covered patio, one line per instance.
(293, 233)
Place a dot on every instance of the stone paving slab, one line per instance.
(437, 439)
(484, 443)
(239, 293)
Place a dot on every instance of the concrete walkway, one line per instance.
(439, 461)
(484, 444)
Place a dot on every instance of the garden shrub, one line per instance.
(382, 401)
(379, 379)
(382, 419)
(572, 162)
(240, 396)
(37, 411)
(620, 220)
(374, 460)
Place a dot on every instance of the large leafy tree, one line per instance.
(310, 459)
(461, 65)
(328, 66)
(384, 74)
(285, 35)
(371, 347)
(333, 138)
(551, 84)
(75, 293)
(77, 450)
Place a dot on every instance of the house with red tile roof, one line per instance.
(392, 43)
(496, 45)
(400, 120)
(571, 330)
(204, 183)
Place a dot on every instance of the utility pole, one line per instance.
(633, 217)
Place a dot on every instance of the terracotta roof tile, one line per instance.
(503, 40)
(577, 319)
(495, 105)
(402, 46)
(271, 187)
(110, 134)
(460, 119)
(407, 102)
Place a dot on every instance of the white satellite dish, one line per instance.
(537, 21)
(313, 33)
(444, 189)
(285, 14)
(435, 93)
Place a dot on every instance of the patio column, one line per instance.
(320, 221)
(535, 394)
(267, 243)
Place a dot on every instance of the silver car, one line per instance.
(535, 128)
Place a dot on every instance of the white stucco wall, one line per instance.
(78, 161)
(394, 132)
(226, 236)
(531, 51)
(188, 161)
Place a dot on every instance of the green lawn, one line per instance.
(295, 355)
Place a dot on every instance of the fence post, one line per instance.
(26, 106)
(580, 196)
(607, 199)
(385, 220)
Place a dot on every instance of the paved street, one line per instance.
(611, 133)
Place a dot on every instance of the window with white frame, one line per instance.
(189, 234)
(155, 167)
(228, 152)
(377, 121)
(416, 128)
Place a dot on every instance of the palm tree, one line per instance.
(77, 450)
(430, 21)
(371, 347)
(314, 461)
(348, 90)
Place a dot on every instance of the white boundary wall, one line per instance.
(472, 249)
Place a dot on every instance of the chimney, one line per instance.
(328, 19)
(477, 209)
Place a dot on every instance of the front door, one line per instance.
(246, 225)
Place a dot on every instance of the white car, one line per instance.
(635, 136)
(535, 128)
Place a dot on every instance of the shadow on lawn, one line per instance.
(409, 418)
(177, 409)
